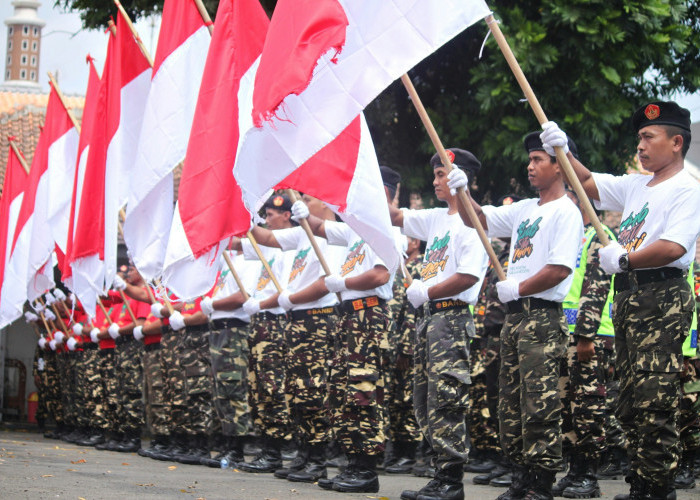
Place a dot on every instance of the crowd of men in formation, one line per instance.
(432, 371)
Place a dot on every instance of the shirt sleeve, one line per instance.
(416, 223)
(500, 220)
(288, 238)
(612, 190)
(569, 229)
(470, 255)
(337, 233)
(683, 224)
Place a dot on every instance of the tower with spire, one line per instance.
(23, 44)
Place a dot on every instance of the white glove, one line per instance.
(58, 293)
(49, 299)
(118, 284)
(138, 332)
(42, 342)
(49, 315)
(610, 257)
(71, 343)
(52, 345)
(177, 321)
(39, 308)
(78, 329)
(155, 310)
(58, 337)
(552, 137)
(207, 305)
(251, 306)
(457, 179)
(283, 300)
(299, 211)
(113, 331)
(30, 316)
(335, 283)
(93, 335)
(417, 293)
(508, 290)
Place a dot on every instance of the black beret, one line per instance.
(461, 158)
(532, 142)
(508, 199)
(390, 177)
(661, 113)
(279, 202)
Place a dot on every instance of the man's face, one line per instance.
(132, 276)
(276, 219)
(655, 148)
(316, 206)
(541, 171)
(442, 192)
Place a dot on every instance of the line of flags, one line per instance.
(252, 106)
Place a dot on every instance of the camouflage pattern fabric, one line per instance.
(482, 422)
(131, 406)
(689, 422)
(66, 370)
(356, 381)
(594, 294)
(614, 435)
(307, 376)
(53, 387)
(651, 324)
(266, 377)
(195, 362)
(156, 410)
(110, 390)
(94, 394)
(174, 377)
(229, 362)
(533, 347)
(441, 390)
(82, 414)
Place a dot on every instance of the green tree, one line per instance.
(591, 63)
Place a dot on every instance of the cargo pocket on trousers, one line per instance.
(197, 379)
(542, 402)
(453, 389)
(657, 384)
(362, 387)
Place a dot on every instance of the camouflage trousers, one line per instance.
(196, 364)
(54, 406)
(109, 405)
(441, 387)
(651, 324)
(583, 399)
(66, 370)
(82, 414)
(266, 376)
(356, 381)
(131, 407)
(92, 388)
(228, 348)
(689, 420)
(482, 422)
(42, 411)
(533, 347)
(174, 378)
(156, 410)
(399, 401)
(307, 376)
(614, 435)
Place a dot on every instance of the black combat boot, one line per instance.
(112, 441)
(482, 462)
(268, 460)
(69, 434)
(573, 476)
(447, 485)
(131, 442)
(327, 483)
(404, 458)
(179, 445)
(586, 484)
(198, 449)
(685, 479)
(501, 470)
(93, 438)
(159, 445)
(541, 488)
(611, 465)
(425, 466)
(231, 451)
(522, 477)
(315, 468)
(295, 465)
(360, 475)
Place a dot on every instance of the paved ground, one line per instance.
(32, 467)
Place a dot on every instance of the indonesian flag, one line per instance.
(125, 83)
(323, 62)
(209, 208)
(29, 271)
(12, 192)
(177, 74)
(89, 122)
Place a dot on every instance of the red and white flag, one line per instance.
(29, 271)
(177, 73)
(323, 62)
(125, 83)
(12, 193)
(210, 208)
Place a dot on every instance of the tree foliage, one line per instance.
(591, 63)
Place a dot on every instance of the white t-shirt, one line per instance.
(550, 233)
(359, 258)
(280, 263)
(306, 268)
(226, 285)
(668, 211)
(451, 248)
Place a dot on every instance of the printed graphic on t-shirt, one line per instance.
(264, 277)
(435, 259)
(523, 245)
(630, 229)
(220, 282)
(355, 256)
(299, 264)
(189, 306)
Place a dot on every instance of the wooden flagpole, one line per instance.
(18, 153)
(462, 195)
(542, 119)
(235, 275)
(205, 15)
(140, 43)
(62, 98)
(265, 264)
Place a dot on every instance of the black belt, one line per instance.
(446, 304)
(122, 339)
(267, 315)
(197, 328)
(350, 306)
(225, 323)
(106, 350)
(164, 329)
(530, 303)
(302, 314)
(151, 347)
(89, 346)
(634, 279)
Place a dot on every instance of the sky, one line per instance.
(65, 44)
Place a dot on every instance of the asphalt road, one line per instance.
(32, 467)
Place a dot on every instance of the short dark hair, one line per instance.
(672, 130)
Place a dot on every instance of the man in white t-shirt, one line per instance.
(653, 304)
(453, 267)
(546, 233)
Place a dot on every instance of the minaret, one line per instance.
(23, 44)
